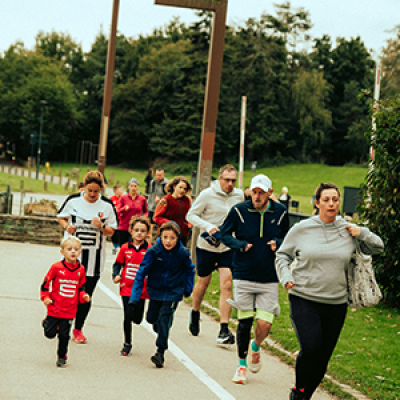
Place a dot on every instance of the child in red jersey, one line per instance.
(61, 290)
(129, 258)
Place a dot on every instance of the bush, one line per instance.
(381, 194)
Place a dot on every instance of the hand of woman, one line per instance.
(290, 285)
(354, 230)
(97, 222)
(71, 229)
(126, 208)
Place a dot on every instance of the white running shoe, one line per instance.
(240, 375)
(255, 360)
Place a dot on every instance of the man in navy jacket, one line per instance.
(259, 225)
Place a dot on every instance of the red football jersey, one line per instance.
(115, 201)
(64, 285)
(131, 258)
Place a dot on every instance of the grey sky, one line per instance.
(22, 19)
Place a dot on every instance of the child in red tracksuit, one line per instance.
(61, 290)
(129, 258)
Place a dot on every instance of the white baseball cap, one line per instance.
(262, 182)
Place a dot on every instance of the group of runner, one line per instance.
(243, 240)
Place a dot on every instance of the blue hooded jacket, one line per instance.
(170, 274)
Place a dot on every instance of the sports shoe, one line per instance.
(240, 375)
(126, 349)
(297, 394)
(61, 362)
(158, 360)
(255, 360)
(194, 322)
(225, 338)
(79, 336)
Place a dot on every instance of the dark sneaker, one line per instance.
(61, 362)
(125, 351)
(158, 360)
(296, 394)
(194, 322)
(225, 338)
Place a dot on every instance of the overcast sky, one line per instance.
(21, 20)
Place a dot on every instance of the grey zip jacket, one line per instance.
(322, 253)
(209, 211)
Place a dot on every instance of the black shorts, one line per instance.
(208, 261)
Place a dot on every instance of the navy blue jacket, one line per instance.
(251, 226)
(170, 274)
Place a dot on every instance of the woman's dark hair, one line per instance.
(170, 226)
(94, 177)
(324, 186)
(171, 184)
(139, 220)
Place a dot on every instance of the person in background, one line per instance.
(174, 206)
(247, 193)
(118, 191)
(91, 217)
(284, 198)
(207, 213)
(129, 258)
(170, 276)
(148, 179)
(255, 229)
(81, 187)
(130, 205)
(156, 191)
(322, 247)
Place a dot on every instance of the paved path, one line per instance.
(195, 368)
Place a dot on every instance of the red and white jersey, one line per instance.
(130, 258)
(115, 201)
(64, 285)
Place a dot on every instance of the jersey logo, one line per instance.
(101, 214)
(62, 272)
(78, 274)
(130, 273)
(67, 290)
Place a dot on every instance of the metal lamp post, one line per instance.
(42, 106)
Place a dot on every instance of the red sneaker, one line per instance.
(79, 336)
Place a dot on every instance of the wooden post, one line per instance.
(21, 185)
(45, 186)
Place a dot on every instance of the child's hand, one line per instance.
(86, 297)
(48, 301)
(117, 279)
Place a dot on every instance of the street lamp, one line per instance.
(42, 106)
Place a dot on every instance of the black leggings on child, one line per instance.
(52, 326)
(317, 327)
(137, 317)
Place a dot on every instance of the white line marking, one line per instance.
(199, 373)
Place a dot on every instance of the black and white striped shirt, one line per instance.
(80, 213)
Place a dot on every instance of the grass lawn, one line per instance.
(367, 354)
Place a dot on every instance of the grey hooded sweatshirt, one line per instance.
(322, 252)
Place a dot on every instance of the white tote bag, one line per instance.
(361, 283)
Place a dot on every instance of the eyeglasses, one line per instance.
(139, 230)
(229, 180)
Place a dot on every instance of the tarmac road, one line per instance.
(195, 367)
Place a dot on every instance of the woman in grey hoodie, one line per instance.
(322, 247)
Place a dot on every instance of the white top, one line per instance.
(210, 209)
(80, 213)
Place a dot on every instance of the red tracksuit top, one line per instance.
(67, 289)
(130, 259)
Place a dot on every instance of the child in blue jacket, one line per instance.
(170, 276)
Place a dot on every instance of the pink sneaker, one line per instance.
(79, 336)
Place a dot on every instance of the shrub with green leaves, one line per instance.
(381, 194)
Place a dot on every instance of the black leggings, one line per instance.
(243, 336)
(53, 326)
(137, 317)
(83, 309)
(317, 327)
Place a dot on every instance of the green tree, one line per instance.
(381, 206)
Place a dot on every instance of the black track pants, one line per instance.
(83, 309)
(137, 318)
(53, 326)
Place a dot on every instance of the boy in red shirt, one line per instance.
(129, 258)
(61, 290)
(118, 191)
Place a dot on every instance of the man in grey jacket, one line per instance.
(208, 213)
(156, 191)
